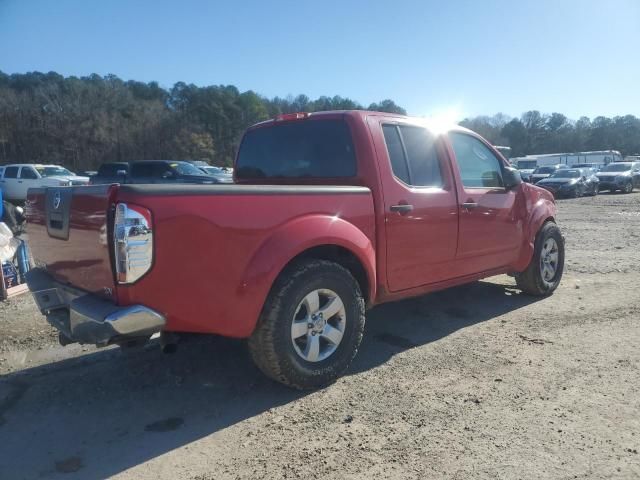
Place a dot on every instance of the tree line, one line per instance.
(83, 122)
(535, 132)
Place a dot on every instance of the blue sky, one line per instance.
(578, 57)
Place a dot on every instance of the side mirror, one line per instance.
(511, 178)
(168, 175)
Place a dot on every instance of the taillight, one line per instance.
(133, 242)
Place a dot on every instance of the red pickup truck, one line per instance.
(331, 213)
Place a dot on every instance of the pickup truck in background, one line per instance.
(331, 213)
(153, 171)
(17, 179)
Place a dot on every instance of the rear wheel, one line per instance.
(544, 272)
(311, 326)
(596, 190)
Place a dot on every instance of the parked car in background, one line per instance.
(525, 174)
(218, 173)
(543, 172)
(571, 182)
(623, 176)
(18, 178)
(110, 172)
(331, 213)
(152, 171)
(595, 166)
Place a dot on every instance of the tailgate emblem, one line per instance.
(56, 200)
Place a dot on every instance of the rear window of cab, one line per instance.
(299, 149)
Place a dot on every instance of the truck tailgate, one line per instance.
(68, 232)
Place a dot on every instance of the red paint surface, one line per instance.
(217, 256)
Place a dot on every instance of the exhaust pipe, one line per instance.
(169, 342)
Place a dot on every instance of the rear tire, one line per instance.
(544, 272)
(294, 343)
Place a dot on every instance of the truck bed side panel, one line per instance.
(207, 238)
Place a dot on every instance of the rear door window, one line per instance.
(28, 173)
(143, 169)
(299, 149)
(11, 172)
(413, 155)
(396, 152)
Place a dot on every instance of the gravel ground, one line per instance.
(473, 382)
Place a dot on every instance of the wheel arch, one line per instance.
(542, 210)
(319, 237)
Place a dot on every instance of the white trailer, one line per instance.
(600, 157)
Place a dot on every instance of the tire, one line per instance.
(533, 281)
(596, 190)
(628, 187)
(293, 361)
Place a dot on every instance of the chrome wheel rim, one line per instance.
(549, 260)
(318, 325)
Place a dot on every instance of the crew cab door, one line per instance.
(9, 183)
(491, 217)
(28, 178)
(420, 206)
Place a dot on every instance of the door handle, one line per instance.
(402, 209)
(469, 205)
(19, 181)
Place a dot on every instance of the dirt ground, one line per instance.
(475, 382)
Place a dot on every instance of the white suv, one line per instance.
(16, 179)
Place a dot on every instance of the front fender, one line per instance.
(540, 207)
(297, 236)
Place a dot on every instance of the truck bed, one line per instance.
(214, 245)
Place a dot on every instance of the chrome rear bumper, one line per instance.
(86, 318)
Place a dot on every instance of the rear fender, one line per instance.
(294, 238)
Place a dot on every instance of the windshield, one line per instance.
(184, 168)
(567, 174)
(53, 171)
(617, 167)
(545, 170)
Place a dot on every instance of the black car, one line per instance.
(571, 182)
(623, 176)
(110, 172)
(152, 171)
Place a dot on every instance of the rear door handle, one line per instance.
(401, 209)
(469, 205)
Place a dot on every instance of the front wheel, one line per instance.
(311, 326)
(628, 187)
(544, 272)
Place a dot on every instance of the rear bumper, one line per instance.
(87, 318)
